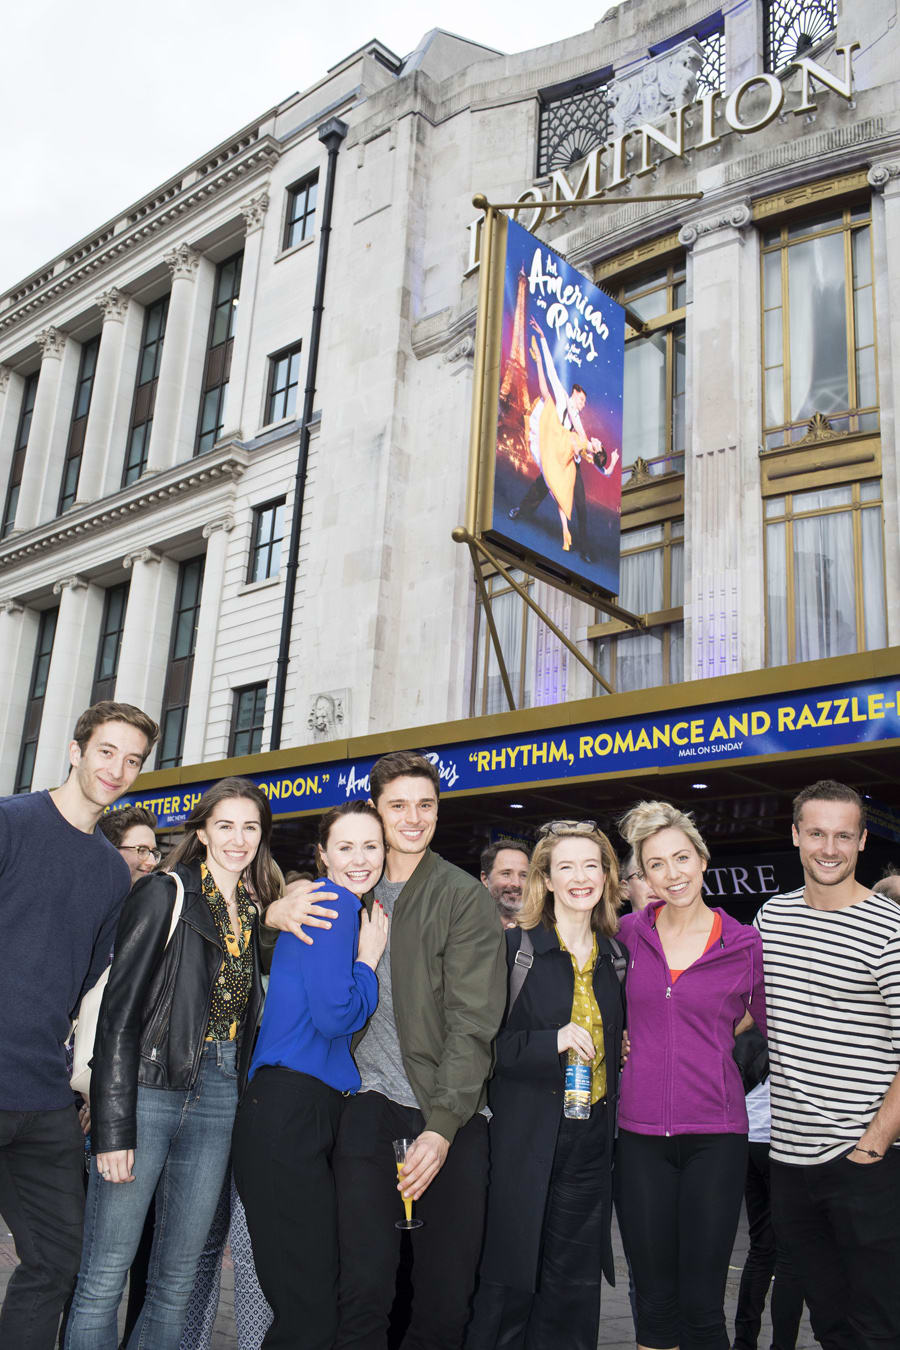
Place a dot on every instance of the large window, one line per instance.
(110, 644)
(145, 390)
(247, 720)
(825, 589)
(29, 394)
(300, 221)
(284, 380)
(574, 120)
(34, 709)
(819, 355)
(795, 27)
(218, 356)
(81, 407)
(653, 407)
(516, 629)
(265, 546)
(177, 691)
(652, 583)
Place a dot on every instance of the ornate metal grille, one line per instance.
(572, 124)
(711, 74)
(793, 27)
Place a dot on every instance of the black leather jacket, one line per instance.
(155, 1010)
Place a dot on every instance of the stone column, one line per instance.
(724, 613)
(254, 213)
(70, 676)
(885, 179)
(144, 654)
(44, 427)
(181, 364)
(18, 635)
(216, 533)
(107, 383)
(10, 402)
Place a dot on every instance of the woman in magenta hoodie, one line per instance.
(695, 978)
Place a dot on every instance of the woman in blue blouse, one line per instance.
(288, 1118)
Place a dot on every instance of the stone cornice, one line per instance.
(111, 243)
(130, 503)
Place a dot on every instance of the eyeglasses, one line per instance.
(567, 827)
(144, 852)
(632, 876)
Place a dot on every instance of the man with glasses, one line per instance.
(132, 831)
(636, 889)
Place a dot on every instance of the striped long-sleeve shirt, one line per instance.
(833, 1005)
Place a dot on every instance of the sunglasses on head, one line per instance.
(567, 827)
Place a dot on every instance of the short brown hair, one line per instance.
(648, 818)
(489, 855)
(537, 898)
(827, 790)
(401, 764)
(357, 807)
(116, 824)
(109, 711)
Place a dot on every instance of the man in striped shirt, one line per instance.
(832, 969)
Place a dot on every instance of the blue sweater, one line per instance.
(318, 996)
(60, 895)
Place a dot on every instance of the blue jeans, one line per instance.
(182, 1154)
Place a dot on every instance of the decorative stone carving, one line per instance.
(51, 341)
(462, 350)
(326, 714)
(736, 217)
(881, 174)
(4, 378)
(640, 473)
(11, 607)
(144, 555)
(254, 211)
(114, 303)
(225, 523)
(74, 583)
(661, 84)
(819, 429)
(182, 261)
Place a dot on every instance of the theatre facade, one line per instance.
(181, 421)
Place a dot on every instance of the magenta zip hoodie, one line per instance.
(680, 1077)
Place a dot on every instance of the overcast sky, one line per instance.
(101, 101)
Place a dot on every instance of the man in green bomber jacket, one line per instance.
(424, 1058)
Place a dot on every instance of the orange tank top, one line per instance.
(714, 934)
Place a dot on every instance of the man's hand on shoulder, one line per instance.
(300, 907)
(423, 1162)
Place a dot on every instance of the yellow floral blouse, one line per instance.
(231, 990)
(586, 1014)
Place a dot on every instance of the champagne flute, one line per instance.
(401, 1149)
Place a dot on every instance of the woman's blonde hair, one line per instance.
(537, 898)
(648, 818)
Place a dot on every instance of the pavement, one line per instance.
(616, 1328)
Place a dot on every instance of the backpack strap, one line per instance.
(620, 960)
(524, 960)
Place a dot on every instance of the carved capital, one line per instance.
(460, 350)
(4, 379)
(736, 217)
(880, 175)
(73, 583)
(11, 606)
(182, 261)
(114, 304)
(254, 211)
(225, 523)
(51, 341)
(144, 555)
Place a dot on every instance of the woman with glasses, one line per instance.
(550, 1195)
(132, 831)
(173, 1042)
(695, 979)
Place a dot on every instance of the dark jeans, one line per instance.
(839, 1224)
(565, 1308)
(42, 1200)
(445, 1250)
(284, 1137)
(764, 1260)
(679, 1201)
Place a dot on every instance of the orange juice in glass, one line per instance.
(401, 1148)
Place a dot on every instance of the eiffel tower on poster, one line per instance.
(514, 402)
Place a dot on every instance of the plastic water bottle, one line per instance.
(577, 1099)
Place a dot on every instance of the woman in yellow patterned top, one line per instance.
(550, 1196)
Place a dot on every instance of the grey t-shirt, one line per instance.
(378, 1056)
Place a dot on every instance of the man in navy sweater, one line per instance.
(62, 885)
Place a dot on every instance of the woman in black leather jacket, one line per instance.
(173, 1044)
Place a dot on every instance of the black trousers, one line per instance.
(564, 1310)
(763, 1261)
(839, 1224)
(42, 1200)
(283, 1141)
(679, 1201)
(445, 1251)
(538, 491)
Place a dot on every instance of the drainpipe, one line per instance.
(331, 134)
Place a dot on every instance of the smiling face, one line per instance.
(408, 810)
(109, 763)
(353, 855)
(576, 876)
(829, 840)
(638, 891)
(506, 879)
(673, 867)
(138, 836)
(231, 835)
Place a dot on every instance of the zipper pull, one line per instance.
(153, 1053)
(669, 992)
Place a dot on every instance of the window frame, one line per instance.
(217, 365)
(99, 689)
(272, 393)
(259, 689)
(143, 403)
(68, 491)
(20, 452)
(482, 646)
(34, 708)
(292, 195)
(258, 546)
(180, 669)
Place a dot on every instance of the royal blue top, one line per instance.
(318, 996)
